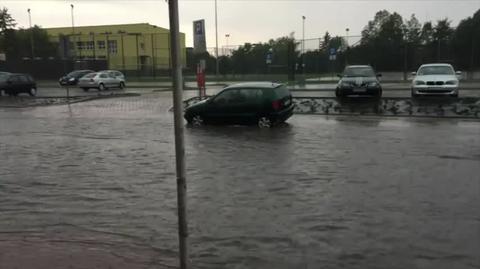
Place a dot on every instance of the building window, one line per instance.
(90, 45)
(80, 45)
(101, 45)
(142, 46)
(112, 46)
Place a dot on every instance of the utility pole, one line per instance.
(226, 40)
(216, 40)
(179, 136)
(31, 34)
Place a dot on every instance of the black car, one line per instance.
(13, 84)
(72, 78)
(261, 103)
(359, 80)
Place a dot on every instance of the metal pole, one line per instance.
(31, 34)
(303, 45)
(179, 137)
(94, 51)
(123, 54)
(73, 31)
(216, 40)
(138, 55)
(153, 57)
(405, 63)
(346, 53)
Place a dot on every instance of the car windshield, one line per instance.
(75, 73)
(91, 75)
(435, 70)
(3, 76)
(359, 72)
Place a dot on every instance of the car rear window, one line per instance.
(282, 92)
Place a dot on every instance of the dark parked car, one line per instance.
(13, 84)
(261, 103)
(73, 77)
(359, 80)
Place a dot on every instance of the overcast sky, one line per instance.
(245, 20)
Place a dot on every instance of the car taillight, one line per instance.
(276, 104)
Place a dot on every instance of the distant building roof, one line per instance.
(113, 28)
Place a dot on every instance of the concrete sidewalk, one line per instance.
(471, 85)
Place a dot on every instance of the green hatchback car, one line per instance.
(262, 103)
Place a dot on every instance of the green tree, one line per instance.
(412, 30)
(426, 36)
(466, 42)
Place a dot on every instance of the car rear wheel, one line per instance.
(338, 94)
(101, 87)
(264, 122)
(32, 92)
(197, 120)
(122, 85)
(85, 89)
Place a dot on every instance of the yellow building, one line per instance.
(125, 46)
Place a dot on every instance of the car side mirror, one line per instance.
(379, 75)
(414, 74)
(458, 73)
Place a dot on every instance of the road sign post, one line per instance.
(179, 136)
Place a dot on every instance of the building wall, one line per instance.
(132, 46)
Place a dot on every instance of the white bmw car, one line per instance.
(435, 79)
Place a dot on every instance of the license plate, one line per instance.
(359, 90)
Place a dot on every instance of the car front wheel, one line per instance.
(122, 85)
(338, 94)
(101, 87)
(32, 92)
(197, 120)
(264, 122)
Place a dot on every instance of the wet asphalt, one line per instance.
(318, 192)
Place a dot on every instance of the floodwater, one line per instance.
(93, 184)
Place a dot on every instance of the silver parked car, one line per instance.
(435, 79)
(101, 81)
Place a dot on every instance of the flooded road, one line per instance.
(319, 192)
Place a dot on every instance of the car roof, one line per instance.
(357, 66)
(109, 71)
(255, 85)
(436, 64)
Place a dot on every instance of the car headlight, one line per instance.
(71, 79)
(344, 84)
(451, 82)
(373, 84)
(419, 82)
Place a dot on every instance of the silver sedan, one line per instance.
(100, 81)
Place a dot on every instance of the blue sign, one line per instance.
(333, 51)
(269, 57)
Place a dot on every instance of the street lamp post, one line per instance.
(73, 27)
(226, 41)
(216, 39)
(31, 33)
(303, 45)
(346, 53)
